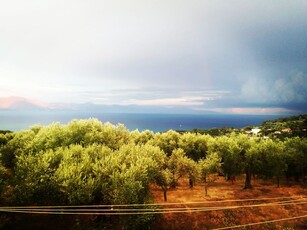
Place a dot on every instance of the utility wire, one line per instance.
(136, 209)
(117, 207)
(152, 204)
(144, 211)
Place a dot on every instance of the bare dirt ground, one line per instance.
(224, 190)
(220, 191)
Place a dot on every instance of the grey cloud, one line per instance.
(291, 88)
(135, 96)
(120, 50)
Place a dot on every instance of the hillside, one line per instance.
(286, 127)
(279, 128)
(20, 103)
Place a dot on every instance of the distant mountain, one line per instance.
(91, 107)
(25, 104)
(20, 103)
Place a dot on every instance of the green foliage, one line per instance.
(208, 168)
(210, 164)
(75, 174)
(214, 132)
(88, 162)
(5, 131)
(194, 145)
(164, 178)
(229, 151)
(175, 166)
(79, 132)
(236, 157)
(136, 167)
(15, 145)
(270, 159)
(296, 124)
(113, 136)
(296, 150)
(4, 138)
(3, 178)
(141, 137)
(167, 141)
(34, 181)
(178, 164)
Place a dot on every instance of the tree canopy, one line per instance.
(90, 162)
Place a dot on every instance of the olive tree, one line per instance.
(208, 169)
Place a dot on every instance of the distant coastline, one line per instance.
(17, 120)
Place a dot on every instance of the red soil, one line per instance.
(222, 190)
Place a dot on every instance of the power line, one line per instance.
(124, 210)
(139, 205)
(153, 204)
(142, 211)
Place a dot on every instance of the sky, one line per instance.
(222, 56)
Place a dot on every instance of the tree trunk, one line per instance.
(164, 195)
(248, 178)
(191, 183)
(233, 179)
(206, 186)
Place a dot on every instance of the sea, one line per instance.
(17, 120)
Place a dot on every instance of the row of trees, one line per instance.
(88, 162)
